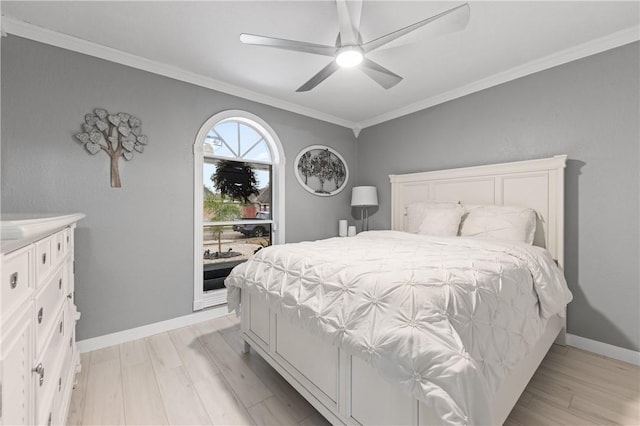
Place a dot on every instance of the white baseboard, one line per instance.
(88, 345)
(123, 336)
(605, 349)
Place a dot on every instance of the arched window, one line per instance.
(239, 198)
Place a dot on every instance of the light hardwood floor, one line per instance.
(197, 375)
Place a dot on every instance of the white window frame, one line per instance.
(202, 299)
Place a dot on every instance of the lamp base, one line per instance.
(364, 217)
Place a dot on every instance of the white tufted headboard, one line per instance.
(538, 184)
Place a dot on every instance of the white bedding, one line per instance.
(445, 317)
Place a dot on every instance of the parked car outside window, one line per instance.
(255, 229)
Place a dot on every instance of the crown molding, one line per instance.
(75, 44)
(593, 47)
(54, 38)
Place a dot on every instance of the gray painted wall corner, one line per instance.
(588, 109)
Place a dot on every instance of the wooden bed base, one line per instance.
(348, 391)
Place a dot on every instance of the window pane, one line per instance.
(208, 169)
(252, 145)
(261, 201)
(248, 137)
(215, 145)
(259, 152)
(222, 141)
(228, 131)
(228, 245)
(225, 248)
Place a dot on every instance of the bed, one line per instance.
(374, 329)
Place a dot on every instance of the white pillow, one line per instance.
(500, 223)
(441, 222)
(415, 213)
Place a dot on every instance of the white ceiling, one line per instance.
(199, 42)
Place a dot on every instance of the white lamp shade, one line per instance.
(364, 196)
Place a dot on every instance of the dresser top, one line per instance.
(18, 230)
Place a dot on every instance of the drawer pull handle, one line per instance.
(39, 370)
(67, 239)
(61, 326)
(44, 258)
(40, 313)
(70, 296)
(50, 421)
(59, 384)
(14, 280)
(59, 246)
(60, 284)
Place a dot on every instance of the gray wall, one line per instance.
(134, 249)
(588, 109)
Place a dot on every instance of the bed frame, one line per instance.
(345, 389)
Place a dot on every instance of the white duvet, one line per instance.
(447, 318)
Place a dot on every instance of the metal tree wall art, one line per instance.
(321, 170)
(119, 135)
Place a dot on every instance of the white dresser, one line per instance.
(38, 317)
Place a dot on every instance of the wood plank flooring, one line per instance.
(197, 375)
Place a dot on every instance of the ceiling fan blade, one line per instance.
(349, 13)
(379, 74)
(355, 11)
(280, 43)
(319, 77)
(449, 21)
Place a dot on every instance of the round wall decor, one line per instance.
(321, 170)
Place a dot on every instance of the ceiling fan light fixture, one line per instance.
(349, 56)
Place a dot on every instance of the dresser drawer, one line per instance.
(68, 238)
(46, 414)
(49, 299)
(15, 368)
(70, 333)
(71, 317)
(70, 280)
(49, 364)
(43, 260)
(65, 377)
(59, 246)
(17, 280)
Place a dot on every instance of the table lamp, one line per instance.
(364, 196)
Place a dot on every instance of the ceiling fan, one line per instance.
(350, 51)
